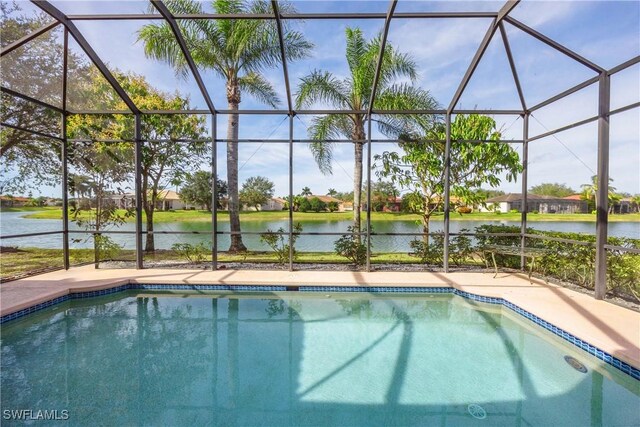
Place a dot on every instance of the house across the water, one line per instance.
(535, 203)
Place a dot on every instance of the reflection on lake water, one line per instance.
(15, 223)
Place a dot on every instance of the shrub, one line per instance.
(192, 253)
(464, 210)
(332, 206)
(429, 253)
(277, 242)
(460, 248)
(352, 248)
(514, 211)
(305, 205)
(106, 248)
(572, 262)
(317, 205)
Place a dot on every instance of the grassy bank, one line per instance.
(28, 260)
(205, 216)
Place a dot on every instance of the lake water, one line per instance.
(14, 223)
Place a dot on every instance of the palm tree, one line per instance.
(306, 191)
(354, 93)
(236, 50)
(589, 192)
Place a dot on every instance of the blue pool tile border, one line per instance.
(137, 286)
(584, 345)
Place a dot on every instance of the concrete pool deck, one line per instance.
(613, 329)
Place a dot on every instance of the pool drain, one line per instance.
(477, 411)
(575, 364)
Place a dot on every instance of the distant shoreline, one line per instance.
(205, 216)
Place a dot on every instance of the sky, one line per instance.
(605, 32)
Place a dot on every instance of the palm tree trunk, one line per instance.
(233, 96)
(358, 136)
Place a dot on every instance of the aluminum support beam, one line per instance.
(502, 14)
(214, 192)
(563, 128)
(26, 39)
(65, 155)
(565, 93)
(557, 46)
(512, 65)
(368, 235)
(30, 99)
(625, 108)
(602, 193)
(525, 175)
(383, 45)
(447, 191)
(291, 193)
(293, 16)
(296, 112)
(283, 56)
(138, 189)
(33, 132)
(633, 61)
(166, 14)
(84, 44)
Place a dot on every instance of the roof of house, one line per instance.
(325, 199)
(15, 198)
(168, 195)
(279, 200)
(573, 197)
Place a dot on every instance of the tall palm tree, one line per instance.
(236, 50)
(354, 93)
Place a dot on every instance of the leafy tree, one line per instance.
(306, 191)
(37, 201)
(99, 171)
(354, 93)
(333, 206)
(165, 161)
(317, 205)
(419, 168)
(35, 70)
(344, 196)
(305, 205)
(256, 191)
(552, 189)
(197, 189)
(239, 51)
(382, 192)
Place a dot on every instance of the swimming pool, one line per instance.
(296, 358)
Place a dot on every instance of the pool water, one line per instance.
(302, 359)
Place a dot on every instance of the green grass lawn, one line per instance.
(205, 216)
(36, 259)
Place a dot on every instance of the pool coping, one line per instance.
(508, 291)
